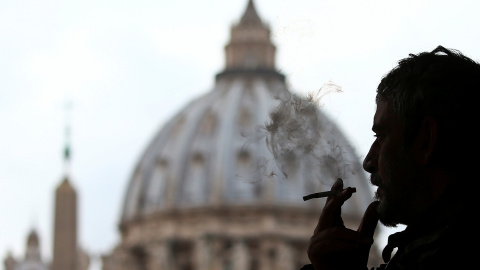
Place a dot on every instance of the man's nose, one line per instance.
(370, 161)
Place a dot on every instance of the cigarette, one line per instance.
(324, 194)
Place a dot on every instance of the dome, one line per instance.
(221, 184)
(205, 156)
(201, 158)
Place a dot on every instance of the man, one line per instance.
(424, 162)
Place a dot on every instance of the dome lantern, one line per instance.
(250, 47)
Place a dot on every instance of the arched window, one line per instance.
(156, 189)
(194, 188)
(244, 184)
(208, 124)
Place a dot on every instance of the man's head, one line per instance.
(441, 84)
(424, 111)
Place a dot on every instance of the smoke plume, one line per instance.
(301, 138)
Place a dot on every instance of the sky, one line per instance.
(124, 68)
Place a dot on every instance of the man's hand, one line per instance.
(333, 246)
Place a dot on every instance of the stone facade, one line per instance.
(237, 238)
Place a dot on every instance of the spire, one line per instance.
(67, 150)
(250, 16)
(65, 212)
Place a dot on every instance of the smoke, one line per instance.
(300, 138)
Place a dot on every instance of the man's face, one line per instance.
(392, 168)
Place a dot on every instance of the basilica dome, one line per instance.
(212, 191)
(206, 155)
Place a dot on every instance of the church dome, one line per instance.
(221, 184)
(204, 156)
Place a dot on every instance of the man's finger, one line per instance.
(369, 221)
(336, 186)
(331, 213)
(328, 218)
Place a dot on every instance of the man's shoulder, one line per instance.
(441, 248)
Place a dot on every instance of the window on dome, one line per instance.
(194, 187)
(208, 124)
(156, 186)
(243, 187)
(245, 117)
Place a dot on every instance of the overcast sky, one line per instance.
(129, 66)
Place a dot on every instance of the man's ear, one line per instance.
(427, 140)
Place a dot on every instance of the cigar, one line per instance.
(324, 194)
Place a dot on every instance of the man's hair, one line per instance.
(442, 84)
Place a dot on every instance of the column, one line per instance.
(203, 253)
(240, 255)
(285, 257)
